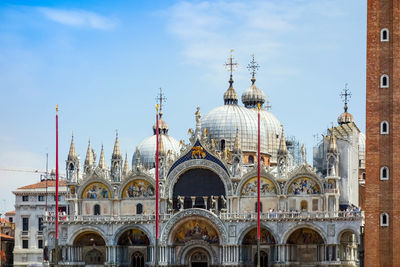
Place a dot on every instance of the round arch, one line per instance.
(87, 228)
(126, 182)
(90, 238)
(90, 181)
(254, 226)
(177, 219)
(252, 174)
(192, 247)
(179, 170)
(120, 231)
(289, 232)
(356, 234)
(303, 176)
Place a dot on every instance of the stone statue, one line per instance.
(213, 204)
(170, 205)
(223, 204)
(303, 153)
(181, 202)
(198, 116)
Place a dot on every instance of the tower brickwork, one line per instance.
(382, 210)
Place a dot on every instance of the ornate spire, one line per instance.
(253, 67)
(345, 117)
(252, 96)
(162, 125)
(230, 96)
(116, 152)
(282, 145)
(125, 171)
(102, 160)
(346, 95)
(72, 152)
(89, 156)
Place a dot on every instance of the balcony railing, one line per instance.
(252, 216)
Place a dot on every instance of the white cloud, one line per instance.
(78, 18)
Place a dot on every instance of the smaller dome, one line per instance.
(345, 117)
(162, 125)
(252, 96)
(147, 149)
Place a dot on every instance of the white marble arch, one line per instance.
(298, 226)
(182, 216)
(254, 226)
(348, 229)
(95, 180)
(88, 228)
(145, 177)
(196, 245)
(121, 230)
(174, 176)
(305, 175)
(254, 173)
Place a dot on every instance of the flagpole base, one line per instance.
(156, 253)
(258, 253)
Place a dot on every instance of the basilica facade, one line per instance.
(208, 198)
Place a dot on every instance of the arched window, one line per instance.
(384, 173)
(96, 210)
(384, 219)
(139, 208)
(384, 35)
(384, 127)
(251, 159)
(384, 81)
(71, 167)
(363, 175)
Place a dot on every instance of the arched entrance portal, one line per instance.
(93, 248)
(249, 247)
(133, 245)
(199, 188)
(305, 246)
(199, 258)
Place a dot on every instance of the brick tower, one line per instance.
(382, 209)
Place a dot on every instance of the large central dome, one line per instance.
(222, 122)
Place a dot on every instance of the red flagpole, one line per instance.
(57, 172)
(157, 187)
(258, 190)
(56, 241)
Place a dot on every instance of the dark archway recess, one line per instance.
(137, 259)
(89, 239)
(133, 237)
(198, 183)
(263, 259)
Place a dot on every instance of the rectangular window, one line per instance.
(25, 198)
(40, 243)
(59, 198)
(25, 224)
(315, 204)
(40, 224)
(25, 243)
(40, 198)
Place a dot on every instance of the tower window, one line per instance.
(384, 127)
(384, 35)
(96, 209)
(384, 173)
(363, 175)
(384, 219)
(384, 81)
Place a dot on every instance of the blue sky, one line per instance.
(103, 62)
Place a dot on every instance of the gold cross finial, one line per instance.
(161, 99)
(57, 108)
(230, 65)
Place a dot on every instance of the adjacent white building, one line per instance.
(31, 203)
